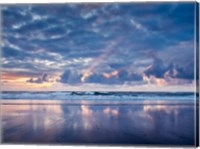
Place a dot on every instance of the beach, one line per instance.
(108, 73)
(146, 122)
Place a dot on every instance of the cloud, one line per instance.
(161, 70)
(20, 72)
(49, 38)
(101, 79)
(70, 77)
(126, 76)
(138, 26)
(114, 77)
(157, 69)
(39, 80)
(185, 73)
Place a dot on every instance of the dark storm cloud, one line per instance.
(126, 76)
(122, 77)
(186, 73)
(157, 69)
(70, 77)
(53, 37)
(99, 78)
(161, 70)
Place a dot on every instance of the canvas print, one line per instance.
(100, 73)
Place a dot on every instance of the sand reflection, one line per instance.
(109, 110)
(113, 124)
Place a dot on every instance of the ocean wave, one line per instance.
(98, 95)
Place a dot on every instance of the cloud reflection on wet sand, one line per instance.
(87, 123)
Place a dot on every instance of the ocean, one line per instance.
(67, 95)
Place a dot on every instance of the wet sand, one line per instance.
(128, 123)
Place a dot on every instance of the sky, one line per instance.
(98, 47)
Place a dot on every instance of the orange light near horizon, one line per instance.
(13, 77)
(85, 75)
(39, 85)
(174, 73)
(153, 79)
(113, 73)
(160, 81)
(14, 80)
(106, 75)
(145, 78)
